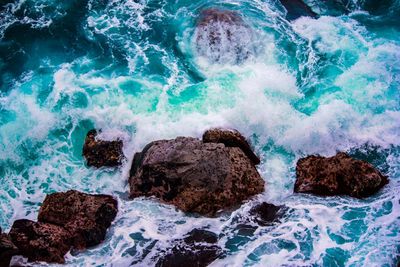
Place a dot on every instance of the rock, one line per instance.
(265, 213)
(41, 241)
(7, 249)
(194, 176)
(338, 175)
(296, 9)
(231, 138)
(222, 36)
(199, 248)
(100, 153)
(85, 216)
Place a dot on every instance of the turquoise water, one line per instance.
(132, 68)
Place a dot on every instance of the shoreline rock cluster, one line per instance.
(66, 220)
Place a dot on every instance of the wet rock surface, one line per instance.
(40, 241)
(231, 138)
(296, 9)
(199, 248)
(222, 36)
(194, 176)
(266, 213)
(337, 175)
(7, 249)
(85, 216)
(101, 153)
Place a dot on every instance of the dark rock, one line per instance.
(265, 213)
(197, 249)
(194, 176)
(7, 249)
(296, 9)
(222, 36)
(100, 153)
(85, 216)
(41, 241)
(231, 138)
(338, 175)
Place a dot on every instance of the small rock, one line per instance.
(296, 9)
(100, 153)
(265, 213)
(40, 241)
(194, 176)
(338, 175)
(85, 216)
(7, 249)
(197, 249)
(231, 138)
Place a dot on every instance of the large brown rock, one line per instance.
(222, 36)
(7, 249)
(41, 241)
(85, 216)
(197, 249)
(231, 138)
(338, 175)
(194, 176)
(101, 153)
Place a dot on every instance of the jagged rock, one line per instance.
(265, 213)
(231, 138)
(296, 9)
(85, 216)
(199, 248)
(101, 153)
(222, 36)
(7, 249)
(40, 241)
(194, 176)
(338, 175)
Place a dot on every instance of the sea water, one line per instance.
(134, 70)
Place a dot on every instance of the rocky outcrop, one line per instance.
(338, 175)
(7, 249)
(194, 176)
(85, 216)
(101, 153)
(40, 241)
(296, 9)
(266, 213)
(199, 248)
(231, 138)
(222, 36)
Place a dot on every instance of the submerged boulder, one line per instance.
(222, 36)
(7, 249)
(101, 153)
(87, 217)
(231, 138)
(296, 9)
(338, 175)
(197, 249)
(194, 176)
(265, 213)
(41, 241)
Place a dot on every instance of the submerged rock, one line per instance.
(222, 36)
(296, 9)
(40, 241)
(7, 249)
(265, 213)
(199, 248)
(86, 217)
(101, 153)
(194, 176)
(231, 138)
(338, 175)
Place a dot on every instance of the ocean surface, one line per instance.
(134, 69)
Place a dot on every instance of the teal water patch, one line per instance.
(132, 68)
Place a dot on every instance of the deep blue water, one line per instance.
(133, 68)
